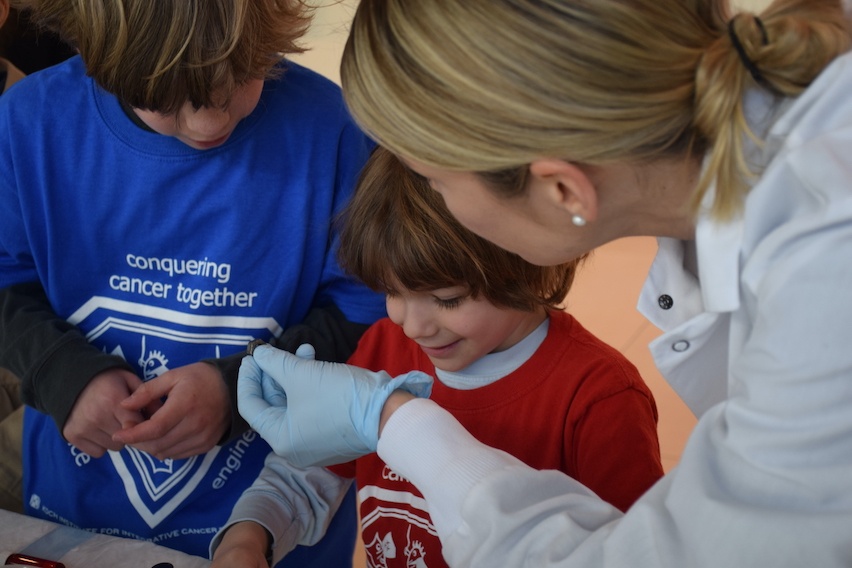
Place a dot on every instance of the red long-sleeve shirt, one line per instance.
(577, 405)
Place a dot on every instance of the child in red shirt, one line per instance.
(518, 372)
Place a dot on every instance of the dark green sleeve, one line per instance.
(55, 361)
(52, 358)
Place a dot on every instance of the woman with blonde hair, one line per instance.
(554, 126)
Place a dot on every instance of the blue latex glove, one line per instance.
(314, 412)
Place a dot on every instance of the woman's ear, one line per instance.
(567, 186)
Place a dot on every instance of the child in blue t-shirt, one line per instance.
(162, 172)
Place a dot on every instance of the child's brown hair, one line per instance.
(397, 231)
(158, 55)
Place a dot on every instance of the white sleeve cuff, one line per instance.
(425, 444)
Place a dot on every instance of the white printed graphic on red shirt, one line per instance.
(397, 529)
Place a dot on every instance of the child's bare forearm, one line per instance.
(244, 545)
(394, 401)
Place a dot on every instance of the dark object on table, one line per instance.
(26, 560)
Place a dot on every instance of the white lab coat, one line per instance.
(760, 349)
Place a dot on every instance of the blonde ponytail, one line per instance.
(782, 51)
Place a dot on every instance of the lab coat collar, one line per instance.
(718, 245)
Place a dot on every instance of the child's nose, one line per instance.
(417, 326)
(206, 123)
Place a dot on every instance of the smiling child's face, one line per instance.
(453, 329)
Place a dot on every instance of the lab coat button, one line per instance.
(680, 346)
(665, 301)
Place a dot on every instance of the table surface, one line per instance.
(83, 549)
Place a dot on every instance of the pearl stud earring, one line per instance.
(578, 220)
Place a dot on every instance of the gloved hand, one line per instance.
(270, 390)
(314, 412)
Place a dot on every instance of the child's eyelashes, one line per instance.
(444, 298)
(449, 303)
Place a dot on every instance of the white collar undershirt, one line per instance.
(495, 366)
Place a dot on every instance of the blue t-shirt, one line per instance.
(166, 255)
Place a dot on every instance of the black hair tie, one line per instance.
(748, 63)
